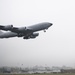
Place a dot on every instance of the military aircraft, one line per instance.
(25, 32)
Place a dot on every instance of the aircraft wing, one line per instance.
(21, 30)
(15, 29)
(1, 26)
(6, 28)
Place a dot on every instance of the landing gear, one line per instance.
(25, 37)
(44, 30)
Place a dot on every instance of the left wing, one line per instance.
(6, 28)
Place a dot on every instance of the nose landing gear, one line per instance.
(44, 30)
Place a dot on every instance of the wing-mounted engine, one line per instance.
(33, 35)
(8, 27)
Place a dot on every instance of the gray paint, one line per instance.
(23, 31)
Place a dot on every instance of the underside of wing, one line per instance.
(14, 29)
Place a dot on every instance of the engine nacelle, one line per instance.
(8, 27)
(34, 35)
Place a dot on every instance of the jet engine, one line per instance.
(8, 27)
(34, 35)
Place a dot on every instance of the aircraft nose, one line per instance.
(51, 24)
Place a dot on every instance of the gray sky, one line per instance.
(56, 47)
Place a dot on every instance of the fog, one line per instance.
(56, 47)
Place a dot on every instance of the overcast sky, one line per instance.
(56, 47)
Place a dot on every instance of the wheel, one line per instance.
(25, 37)
(44, 30)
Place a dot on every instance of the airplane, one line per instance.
(25, 32)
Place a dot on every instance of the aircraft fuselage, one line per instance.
(25, 32)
